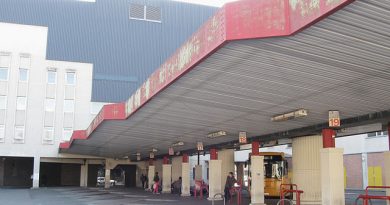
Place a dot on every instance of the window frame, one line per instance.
(47, 77)
(46, 129)
(2, 133)
(5, 68)
(5, 102)
(64, 130)
(46, 103)
(20, 128)
(144, 12)
(27, 75)
(25, 102)
(67, 100)
(74, 80)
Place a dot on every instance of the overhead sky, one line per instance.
(216, 3)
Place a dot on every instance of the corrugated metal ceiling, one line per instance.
(341, 63)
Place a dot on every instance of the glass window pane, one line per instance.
(19, 132)
(21, 103)
(48, 133)
(50, 105)
(3, 102)
(68, 105)
(3, 73)
(70, 78)
(67, 134)
(23, 75)
(51, 77)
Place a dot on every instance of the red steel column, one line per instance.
(328, 138)
(185, 158)
(255, 148)
(165, 160)
(213, 154)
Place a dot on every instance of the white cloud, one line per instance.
(215, 3)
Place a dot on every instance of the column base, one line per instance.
(185, 195)
(259, 204)
(166, 192)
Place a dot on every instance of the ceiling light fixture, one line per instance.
(290, 115)
(176, 144)
(217, 134)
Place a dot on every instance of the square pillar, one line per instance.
(84, 175)
(198, 172)
(151, 171)
(227, 158)
(257, 187)
(37, 164)
(185, 177)
(332, 176)
(306, 167)
(387, 172)
(166, 178)
(215, 180)
(107, 178)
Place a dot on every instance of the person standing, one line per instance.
(143, 180)
(230, 181)
(156, 180)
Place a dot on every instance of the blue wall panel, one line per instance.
(124, 52)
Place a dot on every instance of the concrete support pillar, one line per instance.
(257, 186)
(176, 168)
(151, 171)
(166, 177)
(257, 175)
(37, 164)
(215, 179)
(198, 172)
(306, 169)
(332, 176)
(84, 175)
(185, 176)
(387, 172)
(107, 178)
(227, 158)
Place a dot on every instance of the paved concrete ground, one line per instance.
(97, 196)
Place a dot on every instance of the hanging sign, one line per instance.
(334, 118)
(200, 146)
(242, 137)
(171, 151)
(151, 155)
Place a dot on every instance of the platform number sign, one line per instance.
(151, 155)
(334, 118)
(242, 137)
(200, 146)
(171, 151)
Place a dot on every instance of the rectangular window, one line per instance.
(3, 102)
(67, 134)
(23, 75)
(68, 105)
(3, 74)
(2, 133)
(48, 134)
(50, 105)
(70, 78)
(21, 103)
(153, 13)
(19, 132)
(51, 77)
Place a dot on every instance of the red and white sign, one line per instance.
(171, 151)
(242, 137)
(151, 155)
(334, 118)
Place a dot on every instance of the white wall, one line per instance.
(25, 46)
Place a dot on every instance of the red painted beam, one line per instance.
(255, 148)
(328, 138)
(245, 19)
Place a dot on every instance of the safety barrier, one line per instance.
(215, 197)
(367, 198)
(291, 190)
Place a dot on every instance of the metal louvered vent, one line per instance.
(137, 11)
(153, 13)
(146, 13)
